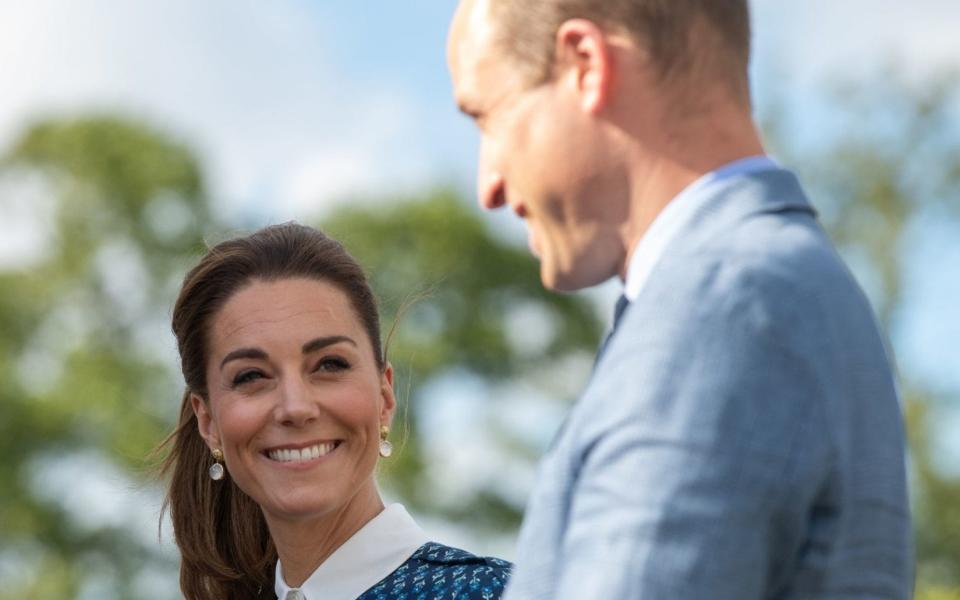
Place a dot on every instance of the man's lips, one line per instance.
(533, 241)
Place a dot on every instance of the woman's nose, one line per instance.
(296, 405)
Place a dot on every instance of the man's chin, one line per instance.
(558, 282)
(568, 280)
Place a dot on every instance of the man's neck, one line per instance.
(659, 173)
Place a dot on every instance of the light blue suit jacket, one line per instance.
(740, 437)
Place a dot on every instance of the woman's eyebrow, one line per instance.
(311, 346)
(254, 353)
(322, 342)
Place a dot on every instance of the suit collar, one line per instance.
(718, 199)
(736, 199)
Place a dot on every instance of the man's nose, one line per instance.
(491, 187)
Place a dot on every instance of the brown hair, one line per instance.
(527, 28)
(223, 538)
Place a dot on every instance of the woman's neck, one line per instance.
(304, 544)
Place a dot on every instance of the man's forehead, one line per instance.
(470, 17)
(472, 49)
(471, 32)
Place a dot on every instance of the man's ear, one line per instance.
(205, 421)
(389, 401)
(585, 60)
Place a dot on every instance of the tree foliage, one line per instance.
(83, 374)
(90, 370)
(86, 331)
(450, 288)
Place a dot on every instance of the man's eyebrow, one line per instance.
(322, 342)
(255, 353)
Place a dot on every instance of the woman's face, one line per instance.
(296, 399)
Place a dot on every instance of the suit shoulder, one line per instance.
(780, 270)
(774, 253)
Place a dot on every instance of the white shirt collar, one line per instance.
(375, 551)
(675, 215)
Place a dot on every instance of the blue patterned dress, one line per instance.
(438, 572)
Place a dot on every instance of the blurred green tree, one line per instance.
(456, 292)
(86, 332)
(90, 366)
(84, 371)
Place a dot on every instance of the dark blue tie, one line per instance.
(622, 304)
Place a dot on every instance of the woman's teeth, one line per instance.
(303, 454)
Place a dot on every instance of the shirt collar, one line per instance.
(678, 212)
(375, 551)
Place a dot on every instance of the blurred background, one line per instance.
(132, 134)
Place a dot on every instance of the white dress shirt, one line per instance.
(677, 213)
(375, 551)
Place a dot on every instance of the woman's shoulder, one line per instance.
(438, 554)
(438, 572)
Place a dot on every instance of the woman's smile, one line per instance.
(302, 455)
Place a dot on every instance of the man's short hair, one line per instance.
(528, 28)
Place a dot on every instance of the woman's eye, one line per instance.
(332, 364)
(246, 377)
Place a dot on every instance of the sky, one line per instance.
(296, 106)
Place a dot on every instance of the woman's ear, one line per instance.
(205, 421)
(388, 400)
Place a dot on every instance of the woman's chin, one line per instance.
(300, 505)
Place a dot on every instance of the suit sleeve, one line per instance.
(704, 447)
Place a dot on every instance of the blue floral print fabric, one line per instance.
(438, 572)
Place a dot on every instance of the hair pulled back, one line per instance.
(224, 543)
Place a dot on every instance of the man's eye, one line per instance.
(332, 364)
(247, 377)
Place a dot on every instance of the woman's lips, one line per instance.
(303, 454)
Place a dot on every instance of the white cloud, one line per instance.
(27, 213)
(285, 124)
(813, 39)
(381, 154)
(250, 84)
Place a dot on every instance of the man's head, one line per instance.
(571, 95)
(527, 29)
